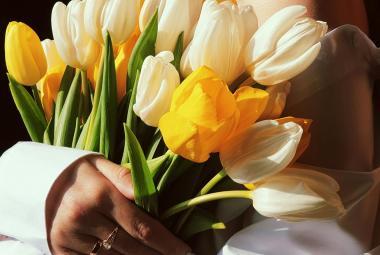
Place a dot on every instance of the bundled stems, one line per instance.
(204, 199)
(86, 96)
(211, 184)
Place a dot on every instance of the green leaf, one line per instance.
(32, 116)
(177, 167)
(156, 140)
(66, 81)
(178, 51)
(66, 122)
(199, 221)
(37, 98)
(145, 46)
(81, 140)
(49, 131)
(76, 133)
(144, 189)
(131, 116)
(108, 103)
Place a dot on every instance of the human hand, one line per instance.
(89, 200)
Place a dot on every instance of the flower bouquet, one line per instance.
(186, 95)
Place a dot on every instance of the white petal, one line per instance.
(262, 150)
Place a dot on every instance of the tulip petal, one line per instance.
(260, 151)
(251, 102)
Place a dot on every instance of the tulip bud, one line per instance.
(118, 17)
(284, 46)
(74, 45)
(220, 37)
(170, 26)
(262, 150)
(24, 56)
(298, 194)
(158, 80)
(277, 101)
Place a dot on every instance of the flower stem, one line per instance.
(86, 96)
(37, 98)
(215, 180)
(204, 199)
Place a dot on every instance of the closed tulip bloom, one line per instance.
(298, 194)
(158, 80)
(74, 45)
(49, 85)
(202, 114)
(277, 101)
(24, 55)
(170, 26)
(220, 38)
(118, 17)
(264, 149)
(284, 46)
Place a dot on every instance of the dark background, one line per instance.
(37, 15)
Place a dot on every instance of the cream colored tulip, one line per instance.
(52, 56)
(277, 101)
(262, 150)
(284, 46)
(174, 17)
(118, 17)
(298, 194)
(220, 38)
(157, 83)
(74, 45)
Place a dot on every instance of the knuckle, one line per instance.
(122, 174)
(142, 230)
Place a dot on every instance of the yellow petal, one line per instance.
(251, 103)
(121, 63)
(24, 55)
(50, 85)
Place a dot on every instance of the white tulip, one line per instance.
(264, 149)
(74, 45)
(52, 56)
(158, 80)
(298, 194)
(284, 46)
(219, 39)
(277, 101)
(175, 17)
(118, 17)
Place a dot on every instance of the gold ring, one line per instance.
(107, 244)
(96, 248)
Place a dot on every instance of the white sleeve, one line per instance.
(27, 172)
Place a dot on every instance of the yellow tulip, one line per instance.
(24, 56)
(49, 87)
(204, 114)
(123, 54)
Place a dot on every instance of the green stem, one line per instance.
(215, 180)
(37, 98)
(204, 199)
(86, 96)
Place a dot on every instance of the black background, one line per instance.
(37, 15)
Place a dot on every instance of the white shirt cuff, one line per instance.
(27, 172)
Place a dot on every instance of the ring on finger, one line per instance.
(97, 246)
(107, 243)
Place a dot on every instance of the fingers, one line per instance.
(118, 175)
(144, 228)
(123, 243)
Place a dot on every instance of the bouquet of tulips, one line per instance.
(185, 94)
